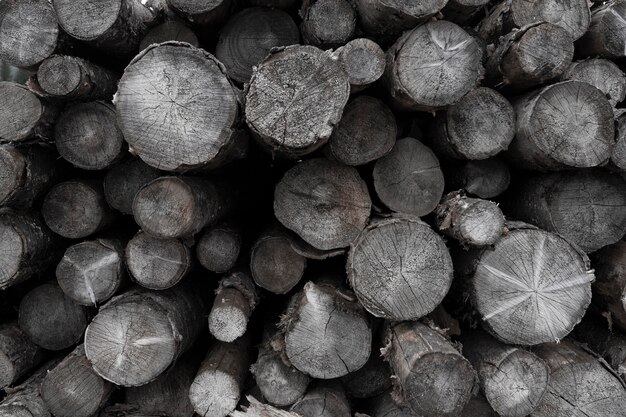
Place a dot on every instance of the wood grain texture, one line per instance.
(605, 36)
(18, 354)
(219, 246)
(23, 115)
(363, 61)
(327, 23)
(26, 173)
(602, 74)
(171, 30)
(235, 299)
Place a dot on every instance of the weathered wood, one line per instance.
(606, 342)
(25, 399)
(91, 272)
(249, 36)
(26, 172)
(433, 66)
(562, 126)
(586, 207)
(363, 61)
(327, 23)
(257, 409)
(319, 316)
(235, 300)
(486, 178)
(371, 380)
(188, 130)
(323, 400)
(172, 30)
(23, 115)
(602, 74)
(216, 389)
(480, 125)
(295, 98)
(471, 221)
(513, 380)
(123, 181)
(606, 36)
(325, 203)
(18, 354)
(219, 246)
(76, 209)
(399, 268)
(202, 12)
(432, 378)
(73, 389)
(409, 179)
(618, 157)
(136, 336)
(610, 286)
(51, 319)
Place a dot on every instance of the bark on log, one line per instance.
(478, 126)
(123, 181)
(562, 126)
(136, 336)
(319, 316)
(91, 272)
(18, 354)
(157, 263)
(219, 246)
(249, 36)
(323, 400)
(432, 378)
(606, 36)
(327, 23)
(26, 172)
(513, 380)
(486, 178)
(185, 132)
(257, 409)
(73, 389)
(23, 115)
(285, 120)
(399, 268)
(51, 319)
(471, 221)
(172, 30)
(433, 66)
(618, 157)
(216, 389)
(586, 207)
(610, 286)
(602, 74)
(363, 61)
(325, 203)
(371, 380)
(235, 300)
(606, 342)
(25, 400)
(202, 12)
(409, 179)
(76, 209)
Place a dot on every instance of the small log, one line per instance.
(471, 221)
(280, 116)
(363, 61)
(274, 264)
(177, 207)
(51, 319)
(371, 380)
(23, 115)
(367, 131)
(327, 23)
(219, 246)
(562, 126)
(91, 272)
(235, 300)
(201, 12)
(432, 378)
(486, 178)
(323, 400)
(123, 181)
(200, 125)
(26, 172)
(325, 203)
(73, 389)
(172, 30)
(433, 66)
(115, 26)
(610, 286)
(409, 179)
(319, 316)
(29, 32)
(257, 409)
(87, 136)
(478, 126)
(136, 336)
(602, 74)
(586, 207)
(580, 384)
(610, 344)
(217, 387)
(18, 354)
(76, 209)
(249, 36)
(410, 273)
(25, 400)
(156, 263)
(606, 36)
(618, 157)
(513, 380)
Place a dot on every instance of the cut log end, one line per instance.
(280, 383)
(229, 316)
(363, 60)
(602, 74)
(328, 23)
(274, 265)
(20, 112)
(218, 248)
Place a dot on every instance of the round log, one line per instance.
(123, 181)
(602, 74)
(363, 61)
(218, 247)
(23, 115)
(327, 23)
(486, 178)
(235, 300)
(18, 354)
(606, 36)
(26, 172)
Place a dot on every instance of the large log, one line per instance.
(610, 286)
(486, 178)
(606, 34)
(23, 115)
(26, 172)
(219, 246)
(25, 400)
(323, 400)
(235, 300)
(327, 23)
(363, 61)
(602, 74)
(124, 180)
(18, 354)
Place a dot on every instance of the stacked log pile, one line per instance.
(316, 208)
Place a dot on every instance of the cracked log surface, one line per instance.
(23, 115)
(327, 23)
(602, 74)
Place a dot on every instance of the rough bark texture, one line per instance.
(371, 380)
(51, 319)
(295, 98)
(607, 32)
(249, 36)
(202, 12)
(606, 342)
(486, 178)
(192, 127)
(610, 285)
(25, 399)
(18, 354)
(235, 300)
(316, 341)
(602, 74)
(323, 400)
(325, 203)
(399, 268)
(91, 272)
(363, 61)
(26, 172)
(124, 180)
(327, 23)
(136, 336)
(23, 115)
(431, 377)
(565, 125)
(219, 246)
(172, 30)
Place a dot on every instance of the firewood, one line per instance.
(325, 203)
(371, 380)
(26, 172)
(235, 300)
(219, 246)
(249, 36)
(18, 354)
(610, 286)
(51, 319)
(618, 157)
(608, 343)
(602, 74)
(433, 379)
(605, 36)
(73, 389)
(409, 274)
(279, 115)
(363, 61)
(91, 272)
(25, 399)
(23, 115)
(201, 123)
(136, 336)
(76, 209)
(327, 23)
(562, 126)
(323, 400)
(172, 30)
(200, 12)
(123, 181)
(486, 178)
